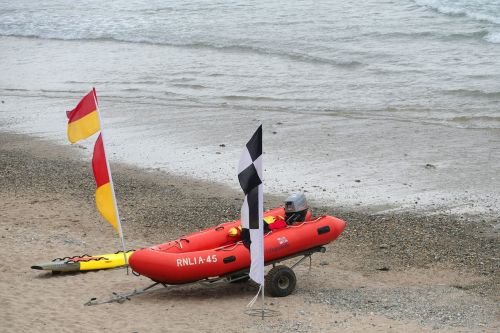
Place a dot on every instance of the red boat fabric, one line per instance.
(213, 252)
(278, 224)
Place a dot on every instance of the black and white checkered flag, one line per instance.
(250, 177)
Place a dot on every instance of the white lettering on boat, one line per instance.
(191, 261)
(282, 240)
(283, 243)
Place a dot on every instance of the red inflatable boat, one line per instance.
(214, 253)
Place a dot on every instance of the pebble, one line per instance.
(165, 207)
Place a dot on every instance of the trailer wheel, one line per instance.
(280, 281)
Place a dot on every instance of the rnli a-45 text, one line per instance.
(197, 260)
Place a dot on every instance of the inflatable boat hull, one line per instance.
(173, 264)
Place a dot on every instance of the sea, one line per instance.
(377, 104)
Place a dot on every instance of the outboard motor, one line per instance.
(295, 208)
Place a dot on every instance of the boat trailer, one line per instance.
(280, 281)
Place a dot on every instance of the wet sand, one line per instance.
(388, 272)
(386, 160)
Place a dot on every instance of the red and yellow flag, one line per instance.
(103, 194)
(83, 121)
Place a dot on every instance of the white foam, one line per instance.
(493, 37)
(475, 10)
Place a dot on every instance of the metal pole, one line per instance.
(111, 184)
(261, 217)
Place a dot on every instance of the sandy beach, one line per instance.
(384, 113)
(387, 272)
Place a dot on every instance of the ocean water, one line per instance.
(363, 90)
(434, 60)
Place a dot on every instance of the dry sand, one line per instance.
(386, 273)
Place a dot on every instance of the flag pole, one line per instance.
(261, 218)
(111, 183)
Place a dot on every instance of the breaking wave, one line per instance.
(264, 98)
(473, 93)
(478, 10)
(493, 37)
(479, 122)
(294, 56)
(480, 33)
(459, 8)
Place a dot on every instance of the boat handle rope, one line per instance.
(89, 259)
(68, 258)
(168, 248)
(118, 252)
(297, 226)
(226, 248)
(88, 255)
(304, 222)
(178, 242)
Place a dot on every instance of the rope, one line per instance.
(226, 247)
(252, 302)
(67, 258)
(304, 222)
(167, 248)
(118, 252)
(85, 256)
(89, 259)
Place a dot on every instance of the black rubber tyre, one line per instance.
(280, 281)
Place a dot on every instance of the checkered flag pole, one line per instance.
(250, 178)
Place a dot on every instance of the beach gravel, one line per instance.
(389, 272)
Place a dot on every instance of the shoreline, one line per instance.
(385, 272)
(387, 160)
